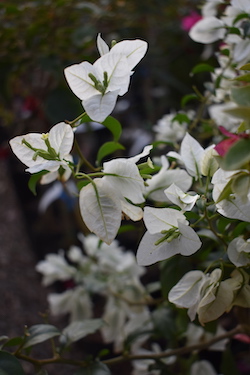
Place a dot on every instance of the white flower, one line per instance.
(169, 130)
(235, 207)
(164, 178)
(205, 295)
(183, 200)
(239, 252)
(49, 152)
(103, 202)
(221, 118)
(99, 85)
(191, 154)
(208, 30)
(75, 302)
(54, 268)
(167, 234)
(202, 368)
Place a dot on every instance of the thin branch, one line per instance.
(178, 351)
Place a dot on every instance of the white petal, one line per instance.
(238, 252)
(185, 201)
(144, 153)
(102, 46)
(149, 253)
(221, 304)
(162, 180)
(158, 219)
(128, 182)
(234, 207)
(133, 212)
(61, 138)
(100, 210)
(207, 30)
(24, 153)
(117, 69)
(191, 154)
(202, 368)
(99, 107)
(134, 50)
(187, 291)
(189, 241)
(78, 79)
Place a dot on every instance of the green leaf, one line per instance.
(228, 365)
(171, 272)
(234, 30)
(79, 329)
(107, 149)
(187, 98)
(114, 126)
(96, 368)
(241, 185)
(241, 95)
(241, 112)
(244, 78)
(202, 68)
(14, 341)
(164, 323)
(225, 192)
(34, 180)
(40, 333)
(245, 67)
(9, 365)
(181, 118)
(240, 17)
(237, 156)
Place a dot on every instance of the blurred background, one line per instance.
(38, 39)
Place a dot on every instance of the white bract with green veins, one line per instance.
(99, 85)
(168, 234)
(46, 152)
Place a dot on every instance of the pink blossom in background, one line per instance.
(225, 145)
(189, 21)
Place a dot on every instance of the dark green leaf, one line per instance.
(107, 149)
(202, 68)
(9, 365)
(244, 78)
(245, 67)
(241, 112)
(14, 341)
(237, 156)
(234, 30)
(241, 95)
(228, 365)
(181, 118)
(241, 185)
(40, 333)
(240, 17)
(34, 179)
(225, 192)
(187, 98)
(97, 368)
(171, 272)
(164, 323)
(126, 228)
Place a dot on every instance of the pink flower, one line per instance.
(226, 144)
(189, 21)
